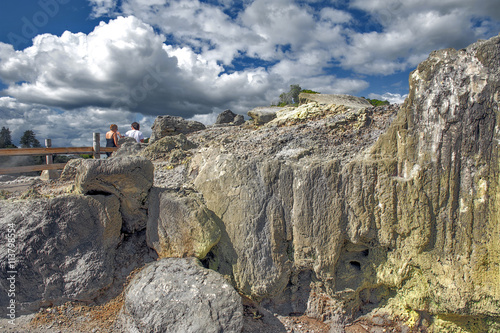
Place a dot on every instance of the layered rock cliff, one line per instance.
(335, 215)
(384, 215)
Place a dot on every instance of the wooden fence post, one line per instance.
(97, 145)
(49, 158)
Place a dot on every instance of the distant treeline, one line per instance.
(28, 140)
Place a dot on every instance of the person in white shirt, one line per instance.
(135, 133)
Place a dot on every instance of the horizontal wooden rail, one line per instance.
(47, 151)
(31, 168)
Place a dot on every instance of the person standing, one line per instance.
(112, 137)
(135, 133)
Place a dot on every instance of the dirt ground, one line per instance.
(77, 318)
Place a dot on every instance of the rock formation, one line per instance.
(170, 125)
(173, 148)
(179, 295)
(64, 249)
(180, 225)
(129, 148)
(404, 222)
(228, 117)
(262, 115)
(127, 178)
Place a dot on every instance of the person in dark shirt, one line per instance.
(112, 137)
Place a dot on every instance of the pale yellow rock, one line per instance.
(180, 225)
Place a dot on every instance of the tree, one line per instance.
(376, 102)
(28, 140)
(295, 90)
(5, 138)
(291, 97)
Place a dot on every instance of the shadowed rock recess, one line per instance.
(361, 217)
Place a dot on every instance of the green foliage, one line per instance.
(308, 91)
(86, 156)
(61, 159)
(6, 139)
(376, 102)
(28, 140)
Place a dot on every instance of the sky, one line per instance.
(72, 67)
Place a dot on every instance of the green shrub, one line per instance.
(308, 91)
(376, 102)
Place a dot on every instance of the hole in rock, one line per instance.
(365, 252)
(97, 192)
(356, 265)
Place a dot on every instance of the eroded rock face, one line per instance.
(64, 249)
(279, 192)
(127, 178)
(179, 295)
(170, 125)
(347, 217)
(444, 150)
(180, 225)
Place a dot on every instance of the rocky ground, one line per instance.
(78, 318)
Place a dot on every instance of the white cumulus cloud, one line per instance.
(390, 97)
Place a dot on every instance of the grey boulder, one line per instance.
(225, 117)
(179, 295)
(64, 249)
(229, 118)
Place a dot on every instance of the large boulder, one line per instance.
(262, 115)
(230, 118)
(170, 125)
(57, 250)
(127, 178)
(225, 117)
(179, 295)
(180, 225)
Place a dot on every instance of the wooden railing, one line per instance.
(96, 150)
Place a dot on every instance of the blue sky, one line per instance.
(72, 67)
